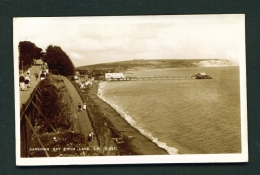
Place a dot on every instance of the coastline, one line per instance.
(135, 143)
(135, 124)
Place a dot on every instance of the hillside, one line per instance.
(160, 64)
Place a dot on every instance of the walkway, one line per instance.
(24, 95)
(83, 119)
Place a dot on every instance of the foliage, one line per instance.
(97, 74)
(83, 71)
(28, 52)
(55, 104)
(55, 72)
(60, 140)
(56, 58)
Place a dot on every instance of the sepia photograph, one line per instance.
(130, 89)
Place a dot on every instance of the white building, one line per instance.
(110, 76)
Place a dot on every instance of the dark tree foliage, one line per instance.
(55, 104)
(83, 71)
(55, 72)
(28, 52)
(56, 58)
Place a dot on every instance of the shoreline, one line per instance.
(134, 143)
(134, 124)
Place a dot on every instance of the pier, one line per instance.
(144, 78)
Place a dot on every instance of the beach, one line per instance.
(134, 143)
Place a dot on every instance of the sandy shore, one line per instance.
(134, 142)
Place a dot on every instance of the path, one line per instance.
(24, 95)
(83, 119)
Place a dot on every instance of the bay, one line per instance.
(187, 116)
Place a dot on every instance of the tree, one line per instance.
(56, 58)
(28, 51)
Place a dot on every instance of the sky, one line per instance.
(93, 40)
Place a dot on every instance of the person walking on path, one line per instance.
(42, 76)
(36, 75)
(90, 137)
(79, 106)
(22, 82)
(84, 106)
(28, 71)
(27, 81)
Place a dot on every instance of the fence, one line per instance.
(28, 112)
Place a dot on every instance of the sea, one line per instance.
(182, 116)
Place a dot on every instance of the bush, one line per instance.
(56, 58)
(55, 72)
(56, 103)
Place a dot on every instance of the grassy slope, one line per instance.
(147, 64)
(56, 105)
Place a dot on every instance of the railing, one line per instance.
(28, 112)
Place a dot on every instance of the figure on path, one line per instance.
(84, 106)
(36, 75)
(42, 76)
(79, 106)
(27, 81)
(92, 136)
(89, 137)
(22, 83)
